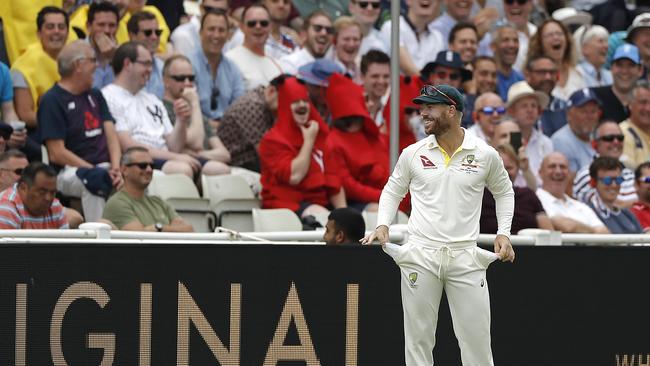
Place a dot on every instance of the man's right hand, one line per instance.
(194, 163)
(310, 131)
(105, 44)
(380, 234)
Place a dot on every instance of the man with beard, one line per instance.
(641, 208)
(446, 174)
(282, 40)
(505, 46)
(318, 33)
(542, 74)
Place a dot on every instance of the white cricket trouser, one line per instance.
(69, 184)
(459, 270)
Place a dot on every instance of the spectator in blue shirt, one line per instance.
(218, 79)
(143, 27)
(505, 46)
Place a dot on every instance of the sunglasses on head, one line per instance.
(432, 91)
(181, 78)
(445, 74)
(319, 28)
(611, 138)
(366, 4)
(609, 180)
(213, 98)
(252, 23)
(149, 32)
(141, 166)
(519, 2)
(17, 171)
(491, 110)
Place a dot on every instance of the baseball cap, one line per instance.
(440, 94)
(318, 72)
(641, 21)
(449, 59)
(582, 96)
(627, 51)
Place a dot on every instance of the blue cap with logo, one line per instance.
(318, 72)
(628, 51)
(582, 96)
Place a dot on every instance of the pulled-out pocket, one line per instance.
(395, 251)
(484, 258)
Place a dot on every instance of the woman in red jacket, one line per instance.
(355, 144)
(297, 172)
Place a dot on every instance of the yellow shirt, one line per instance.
(39, 69)
(79, 18)
(636, 144)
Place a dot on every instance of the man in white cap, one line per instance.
(639, 34)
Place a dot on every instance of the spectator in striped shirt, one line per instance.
(30, 203)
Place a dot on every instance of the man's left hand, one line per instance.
(116, 177)
(17, 139)
(503, 248)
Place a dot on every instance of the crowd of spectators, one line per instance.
(97, 94)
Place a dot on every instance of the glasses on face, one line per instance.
(432, 91)
(253, 23)
(445, 74)
(366, 4)
(491, 110)
(319, 28)
(611, 138)
(608, 181)
(558, 34)
(213, 98)
(181, 78)
(149, 32)
(145, 63)
(519, 2)
(141, 166)
(17, 171)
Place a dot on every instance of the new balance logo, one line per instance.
(426, 163)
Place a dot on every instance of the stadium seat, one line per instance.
(276, 219)
(180, 192)
(371, 219)
(231, 199)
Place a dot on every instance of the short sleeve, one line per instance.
(6, 86)
(51, 117)
(104, 112)
(119, 211)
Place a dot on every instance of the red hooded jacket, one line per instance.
(361, 157)
(409, 88)
(281, 144)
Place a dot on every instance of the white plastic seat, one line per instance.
(231, 199)
(371, 219)
(181, 193)
(275, 219)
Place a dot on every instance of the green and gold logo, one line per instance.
(413, 277)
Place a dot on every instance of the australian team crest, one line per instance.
(470, 158)
(469, 164)
(413, 277)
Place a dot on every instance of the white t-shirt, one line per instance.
(257, 70)
(423, 49)
(372, 41)
(142, 115)
(291, 63)
(568, 207)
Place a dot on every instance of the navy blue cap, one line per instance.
(96, 180)
(582, 96)
(449, 59)
(319, 71)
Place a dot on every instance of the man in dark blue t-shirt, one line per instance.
(78, 130)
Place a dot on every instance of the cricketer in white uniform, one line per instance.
(446, 174)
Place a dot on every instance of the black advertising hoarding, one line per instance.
(195, 304)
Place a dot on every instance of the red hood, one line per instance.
(345, 98)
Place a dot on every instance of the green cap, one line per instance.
(440, 94)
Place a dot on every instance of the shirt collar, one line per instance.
(601, 208)
(469, 141)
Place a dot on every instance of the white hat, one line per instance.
(641, 21)
(570, 16)
(521, 89)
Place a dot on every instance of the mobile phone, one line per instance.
(515, 141)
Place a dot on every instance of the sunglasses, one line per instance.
(181, 78)
(611, 138)
(519, 2)
(17, 171)
(149, 32)
(644, 180)
(366, 4)
(609, 180)
(253, 23)
(491, 110)
(213, 98)
(445, 74)
(432, 91)
(319, 28)
(141, 166)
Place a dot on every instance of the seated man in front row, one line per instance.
(344, 226)
(131, 209)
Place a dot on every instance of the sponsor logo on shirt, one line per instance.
(426, 163)
(469, 164)
(91, 125)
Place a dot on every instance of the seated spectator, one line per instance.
(355, 145)
(345, 226)
(103, 19)
(542, 74)
(366, 14)
(143, 27)
(142, 120)
(79, 132)
(282, 40)
(131, 208)
(463, 39)
(297, 171)
(31, 203)
(318, 33)
(606, 178)
(218, 79)
(574, 139)
(503, 135)
(256, 67)
(246, 121)
(626, 70)
(182, 103)
(607, 141)
(484, 80)
(505, 46)
(641, 208)
(375, 75)
(135, 6)
(591, 45)
(7, 111)
(529, 212)
(456, 11)
(447, 69)
(346, 44)
(315, 75)
(637, 128)
(489, 109)
(567, 214)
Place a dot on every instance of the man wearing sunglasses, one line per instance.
(489, 110)
(143, 27)
(318, 34)
(366, 13)
(131, 208)
(606, 178)
(446, 174)
(607, 140)
(641, 208)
